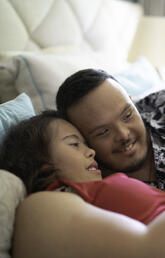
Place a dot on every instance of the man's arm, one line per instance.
(50, 224)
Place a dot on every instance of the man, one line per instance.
(126, 137)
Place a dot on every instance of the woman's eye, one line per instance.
(75, 144)
(103, 132)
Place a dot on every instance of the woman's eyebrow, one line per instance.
(74, 136)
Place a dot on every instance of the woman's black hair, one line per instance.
(25, 151)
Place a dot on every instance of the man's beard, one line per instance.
(133, 168)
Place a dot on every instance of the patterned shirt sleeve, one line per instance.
(152, 107)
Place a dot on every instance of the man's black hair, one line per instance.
(77, 86)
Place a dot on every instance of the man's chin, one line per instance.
(131, 169)
(127, 169)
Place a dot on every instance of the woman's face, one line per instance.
(72, 158)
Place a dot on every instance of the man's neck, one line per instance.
(145, 174)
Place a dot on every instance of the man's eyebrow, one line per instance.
(125, 109)
(97, 127)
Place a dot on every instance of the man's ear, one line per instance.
(130, 97)
(134, 100)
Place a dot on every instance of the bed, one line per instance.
(43, 42)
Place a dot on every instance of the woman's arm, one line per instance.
(50, 224)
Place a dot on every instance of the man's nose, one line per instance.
(122, 132)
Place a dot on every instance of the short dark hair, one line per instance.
(78, 85)
(25, 151)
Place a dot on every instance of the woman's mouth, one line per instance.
(94, 167)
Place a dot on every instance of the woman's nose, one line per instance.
(90, 153)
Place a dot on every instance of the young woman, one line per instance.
(47, 153)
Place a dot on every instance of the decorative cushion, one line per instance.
(12, 192)
(13, 111)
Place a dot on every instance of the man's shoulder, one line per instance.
(151, 101)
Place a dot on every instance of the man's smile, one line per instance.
(126, 148)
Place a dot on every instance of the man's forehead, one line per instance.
(98, 104)
(88, 121)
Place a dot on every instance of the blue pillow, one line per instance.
(140, 78)
(13, 111)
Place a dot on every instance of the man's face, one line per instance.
(112, 126)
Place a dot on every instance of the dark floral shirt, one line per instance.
(152, 110)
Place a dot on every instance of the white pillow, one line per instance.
(12, 192)
(40, 75)
(140, 78)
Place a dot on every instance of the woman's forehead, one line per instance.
(63, 128)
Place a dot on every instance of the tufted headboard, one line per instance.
(45, 41)
(93, 25)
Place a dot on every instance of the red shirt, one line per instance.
(122, 194)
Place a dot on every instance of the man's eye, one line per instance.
(103, 132)
(128, 115)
